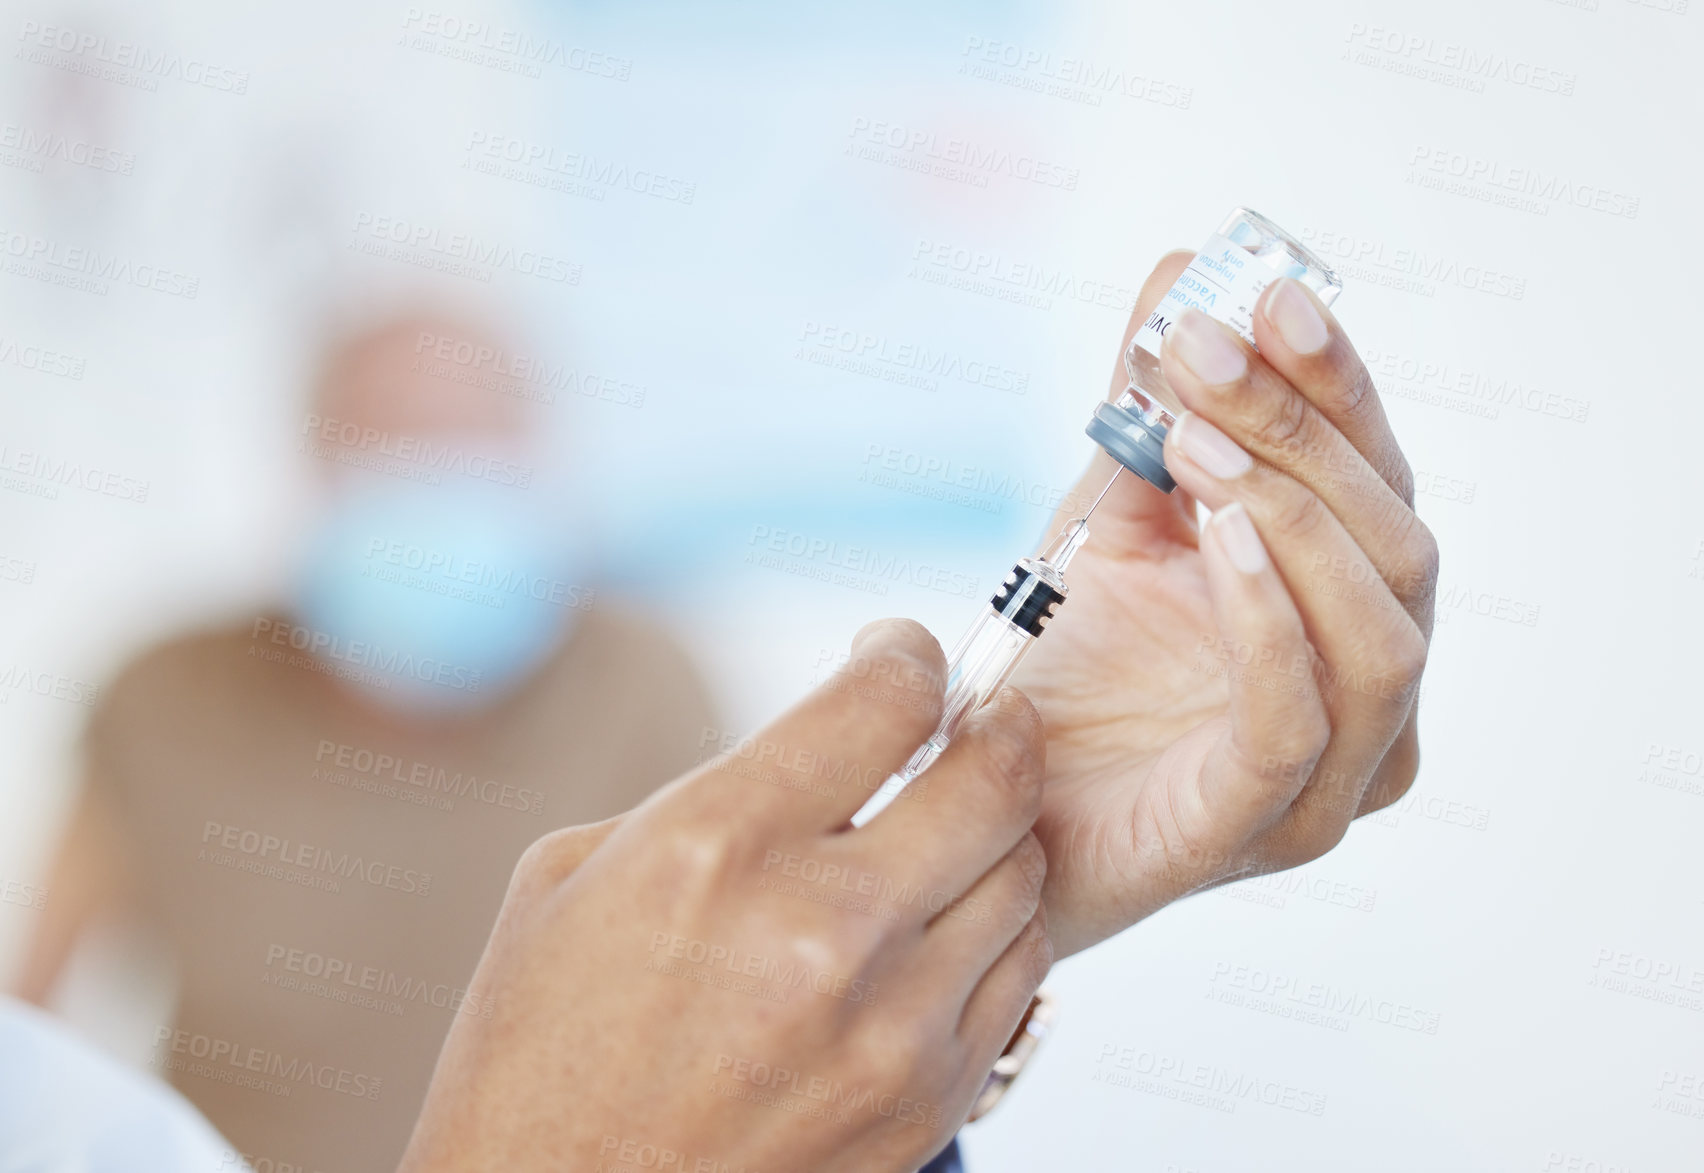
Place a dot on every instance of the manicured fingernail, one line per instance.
(1291, 312)
(1207, 348)
(1239, 538)
(1210, 448)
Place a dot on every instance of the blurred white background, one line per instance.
(1512, 959)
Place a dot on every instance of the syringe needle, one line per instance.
(1104, 492)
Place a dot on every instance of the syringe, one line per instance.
(994, 644)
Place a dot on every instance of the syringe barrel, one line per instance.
(981, 662)
(978, 666)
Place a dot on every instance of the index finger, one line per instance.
(1301, 340)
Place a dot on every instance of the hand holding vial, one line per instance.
(1222, 700)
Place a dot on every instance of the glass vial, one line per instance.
(1246, 254)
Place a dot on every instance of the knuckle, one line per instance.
(829, 945)
(691, 856)
(1401, 478)
(1286, 426)
(1309, 834)
(1287, 756)
(1011, 750)
(1304, 740)
(1395, 776)
(1298, 513)
(1418, 571)
(1352, 395)
(891, 1051)
(1405, 658)
(1031, 862)
(1035, 951)
(1018, 891)
(1385, 793)
(548, 860)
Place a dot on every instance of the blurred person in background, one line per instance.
(317, 810)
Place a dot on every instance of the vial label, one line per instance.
(1223, 281)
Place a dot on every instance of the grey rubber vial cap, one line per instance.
(1136, 444)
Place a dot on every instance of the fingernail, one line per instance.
(1210, 448)
(1207, 348)
(1239, 538)
(1291, 312)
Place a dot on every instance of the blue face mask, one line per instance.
(436, 598)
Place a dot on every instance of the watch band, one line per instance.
(1033, 1027)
